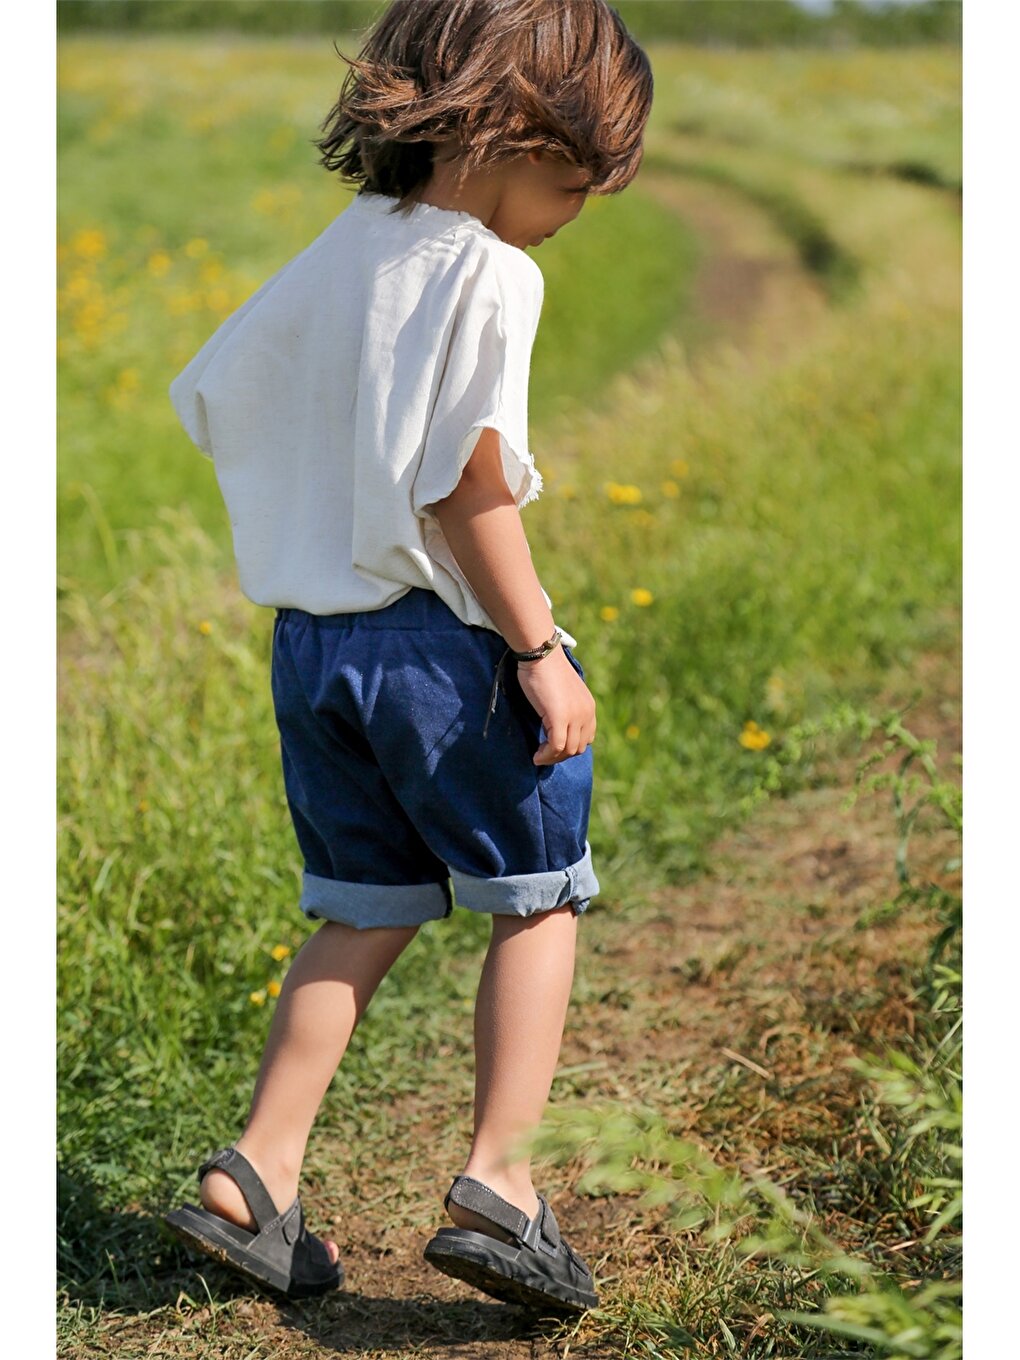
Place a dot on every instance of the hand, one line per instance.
(564, 703)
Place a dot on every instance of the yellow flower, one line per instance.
(90, 244)
(632, 732)
(608, 613)
(621, 493)
(641, 596)
(567, 492)
(160, 263)
(273, 987)
(143, 805)
(679, 468)
(280, 952)
(196, 248)
(211, 270)
(670, 489)
(205, 627)
(753, 738)
(257, 998)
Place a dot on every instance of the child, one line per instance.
(366, 412)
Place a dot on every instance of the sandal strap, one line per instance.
(548, 1227)
(472, 1194)
(248, 1181)
(542, 1231)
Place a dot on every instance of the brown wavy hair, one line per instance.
(493, 79)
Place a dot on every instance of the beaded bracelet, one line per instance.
(535, 654)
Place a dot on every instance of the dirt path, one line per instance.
(751, 284)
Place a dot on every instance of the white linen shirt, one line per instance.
(344, 398)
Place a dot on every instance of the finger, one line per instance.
(547, 755)
(580, 738)
(570, 746)
(551, 749)
(558, 740)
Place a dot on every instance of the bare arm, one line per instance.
(481, 523)
(483, 527)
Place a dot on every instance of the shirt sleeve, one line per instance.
(484, 381)
(185, 396)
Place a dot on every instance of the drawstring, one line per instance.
(497, 685)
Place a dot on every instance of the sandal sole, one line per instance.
(201, 1234)
(477, 1260)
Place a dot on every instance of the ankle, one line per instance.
(279, 1172)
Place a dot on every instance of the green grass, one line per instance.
(798, 532)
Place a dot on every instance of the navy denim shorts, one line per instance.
(393, 789)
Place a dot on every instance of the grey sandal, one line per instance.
(282, 1255)
(537, 1269)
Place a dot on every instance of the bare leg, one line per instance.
(519, 1016)
(327, 989)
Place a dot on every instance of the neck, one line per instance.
(477, 194)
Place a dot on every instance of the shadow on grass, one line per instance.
(104, 1255)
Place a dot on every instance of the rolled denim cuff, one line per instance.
(526, 894)
(374, 904)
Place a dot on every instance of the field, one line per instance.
(746, 406)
